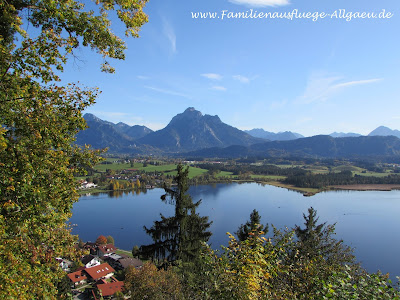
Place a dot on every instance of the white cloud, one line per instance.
(141, 77)
(261, 3)
(212, 76)
(169, 33)
(219, 88)
(321, 87)
(241, 78)
(358, 82)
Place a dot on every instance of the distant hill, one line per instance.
(280, 136)
(191, 130)
(342, 134)
(117, 137)
(322, 146)
(384, 131)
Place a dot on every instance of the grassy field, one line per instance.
(224, 174)
(375, 174)
(113, 166)
(193, 172)
(125, 252)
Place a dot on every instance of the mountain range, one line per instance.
(319, 146)
(196, 134)
(280, 136)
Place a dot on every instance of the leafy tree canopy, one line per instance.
(39, 121)
(101, 240)
(110, 240)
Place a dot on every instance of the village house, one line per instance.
(130, 262)
(105, 250)
(102, 271)
(87, 185)
(78, 277)
(119, 262)
(90, 261)
(109, 289)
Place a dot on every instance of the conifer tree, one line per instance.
(179, 237)
(317, 240)
(254, 224)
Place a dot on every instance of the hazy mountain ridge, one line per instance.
(193, 133)
(384, 131)
(103, 134)
(323, 146)
(343, 134)
(280, 136)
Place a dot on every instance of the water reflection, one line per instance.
(367, 221)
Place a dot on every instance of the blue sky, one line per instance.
(311, 77)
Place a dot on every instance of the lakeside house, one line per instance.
(102, 271)
(87, 185)
(103, 250)
(99, 269)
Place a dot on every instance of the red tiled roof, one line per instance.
(109, 289)
(109, 248)
(77, 276)
(99, 271)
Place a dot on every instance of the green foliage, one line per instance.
(316, 240)
(179, 237)
(110, 240)
(312, 266)
(64, 288)
(368, 286)
(135, 251)
(39, 121)
(254, 224)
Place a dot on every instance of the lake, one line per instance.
(367, 221)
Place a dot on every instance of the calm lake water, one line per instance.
(367, 221)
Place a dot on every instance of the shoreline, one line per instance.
(367, 187)
(308, 192)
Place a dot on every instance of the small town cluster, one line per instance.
(97, 275)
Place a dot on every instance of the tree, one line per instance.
(180, 237)
(316, 240)
(253, 225)
(110, 240)
(150, 283)
(101, 240)
(39, 121)
(317, 256)
(135, 251)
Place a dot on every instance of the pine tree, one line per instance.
(316, 240)
(179, 237)
(254, 224)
